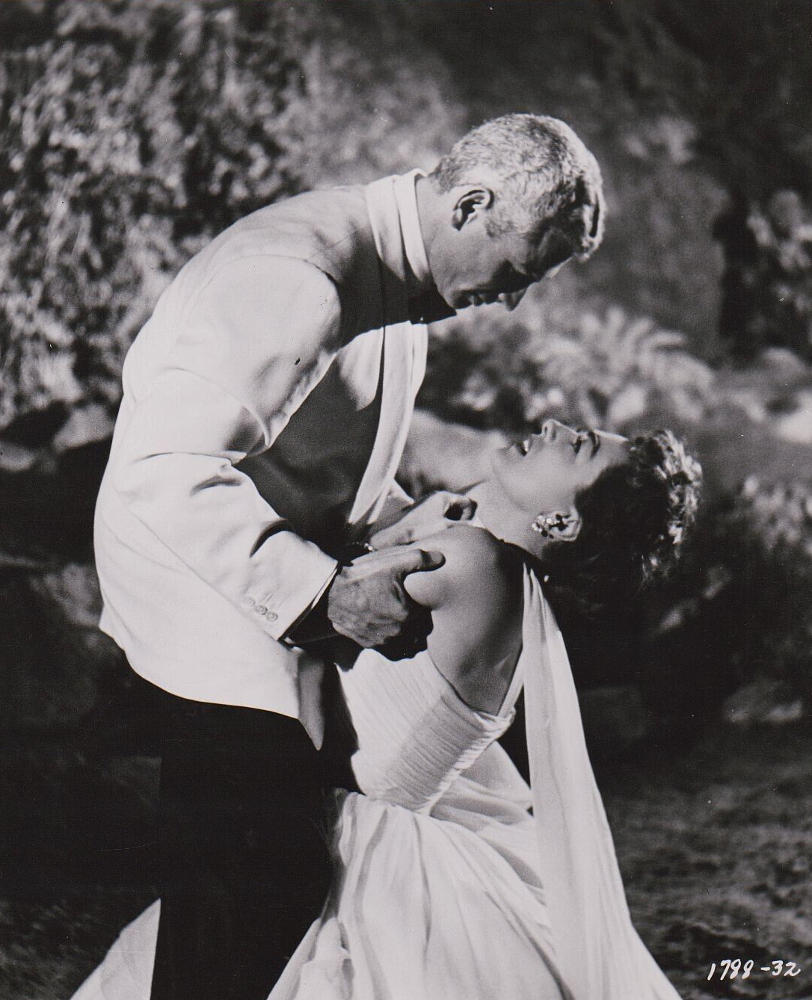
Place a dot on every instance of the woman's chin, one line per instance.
(498, 457)
(503, 457)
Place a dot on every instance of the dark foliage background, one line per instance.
(134, 130)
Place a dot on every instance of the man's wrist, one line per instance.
(314, 625)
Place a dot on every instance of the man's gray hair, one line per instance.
(543, 174)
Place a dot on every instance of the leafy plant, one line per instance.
(115, 166)
(603, 371)
(135, 130)
(769, 531)
(767, 284)
(740, 609)
(610, 367)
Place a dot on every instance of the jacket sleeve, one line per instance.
(249, 349)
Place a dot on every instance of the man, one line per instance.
(266, 405)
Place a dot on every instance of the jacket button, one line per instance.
(260, 610)
(272, 616)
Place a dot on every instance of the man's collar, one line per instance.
(425, 303)
(415, 248)
(392, 206)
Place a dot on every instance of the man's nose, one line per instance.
(511, 299)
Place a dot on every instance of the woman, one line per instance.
(446, 885)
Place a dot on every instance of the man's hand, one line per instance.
(367, 603)
(436, 511)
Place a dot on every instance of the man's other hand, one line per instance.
(433, 513)
(367, 603)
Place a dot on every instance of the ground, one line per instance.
(715, 849)
(714, 840)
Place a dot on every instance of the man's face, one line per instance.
(471, 268)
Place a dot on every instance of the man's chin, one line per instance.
(431, 306)
(466, 300)
(462, 300)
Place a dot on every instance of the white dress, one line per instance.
(447, 887)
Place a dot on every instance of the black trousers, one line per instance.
(245, 821)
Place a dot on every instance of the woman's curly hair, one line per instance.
(634, 520)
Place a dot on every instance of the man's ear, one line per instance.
(471, 201)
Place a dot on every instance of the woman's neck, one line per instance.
(500, 519)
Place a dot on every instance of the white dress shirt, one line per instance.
(265, 408)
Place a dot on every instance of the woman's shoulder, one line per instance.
(474, 548)
(476, 606)
(476, 565)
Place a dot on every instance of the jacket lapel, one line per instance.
(402, 348)
(397, 364)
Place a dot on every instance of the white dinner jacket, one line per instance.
(265, 409)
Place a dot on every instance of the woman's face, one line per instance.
(544, 472)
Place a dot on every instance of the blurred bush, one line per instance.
(738, 618)
(138, 129)
(767, 284)
(766, 538)
(130, 136)
(601, 370)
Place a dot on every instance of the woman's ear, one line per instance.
(469, 203)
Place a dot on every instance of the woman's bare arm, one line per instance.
(476, 604)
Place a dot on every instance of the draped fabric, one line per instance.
(465, 893)
(598, 950)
